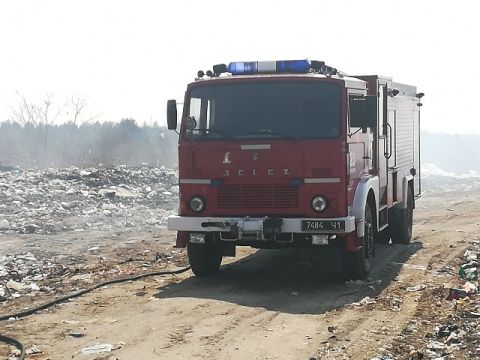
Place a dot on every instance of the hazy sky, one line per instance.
(126, 58)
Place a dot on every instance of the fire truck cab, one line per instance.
(295, 153)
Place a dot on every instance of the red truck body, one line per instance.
(287, 159)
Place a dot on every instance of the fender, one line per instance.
(364, 185)
(405, 181)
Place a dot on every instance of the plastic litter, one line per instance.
(457, 294)
(416, 288)
(470, 273)
(97, 349)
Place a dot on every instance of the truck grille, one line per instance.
(264, 196)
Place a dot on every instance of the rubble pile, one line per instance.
(63, 229)
(452, 326)
(73, 199)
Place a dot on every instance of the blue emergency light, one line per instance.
(259, 67)
(271, 67)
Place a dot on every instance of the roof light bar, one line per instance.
(271, 67)
(259, 67)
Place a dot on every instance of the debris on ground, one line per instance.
(416, 287)
(38, 205)
(97, 349)
(73, 199)
(455, 317)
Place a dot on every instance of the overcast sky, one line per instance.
(126, 58)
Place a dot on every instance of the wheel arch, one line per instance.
(366, 191)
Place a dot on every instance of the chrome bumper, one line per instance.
(252, 225)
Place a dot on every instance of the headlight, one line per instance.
(197, 203)
(319, 203)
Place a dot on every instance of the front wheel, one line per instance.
(205, 259)
(356, 264)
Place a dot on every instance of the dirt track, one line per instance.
(281, 304)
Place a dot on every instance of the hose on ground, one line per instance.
(11, 341)
(89, 289)
(20, 314)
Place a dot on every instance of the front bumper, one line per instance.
(247, 225)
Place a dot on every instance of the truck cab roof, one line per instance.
(349, 81)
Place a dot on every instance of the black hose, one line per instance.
(11, 341)
(19, 345)
(87, 290)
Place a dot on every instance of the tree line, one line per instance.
(38, 144)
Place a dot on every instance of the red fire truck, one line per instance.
(276, 154)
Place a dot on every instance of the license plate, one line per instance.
(321, 225)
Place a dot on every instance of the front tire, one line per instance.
(356, 264)
(403, 222)
(205, 259)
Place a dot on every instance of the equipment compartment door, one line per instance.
(382, 144)
(416, 152)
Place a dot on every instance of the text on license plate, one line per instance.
(318, 225)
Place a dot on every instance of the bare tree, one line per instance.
(29, 113)
(78, 104)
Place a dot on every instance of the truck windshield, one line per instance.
(274, 109)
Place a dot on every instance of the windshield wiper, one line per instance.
(271, 132)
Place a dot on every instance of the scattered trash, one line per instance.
(469, 273)
(445, 330)
(436, 345)
(76, 334)
(87, 195)
(416, 288)
(411, 266)
(82, 277)
(473, 314)
(54, 201)
(97, 349)
(470, 288)
(14, 285)
(367, 300)
(470, 255)
(118, 345)
(457, 294)
(33, 350)
(456, 323)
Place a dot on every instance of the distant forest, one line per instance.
(40, 145)
(37, 145)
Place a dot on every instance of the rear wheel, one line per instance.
(205, 259)
(356, 264)
(403, 222)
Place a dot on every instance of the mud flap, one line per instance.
(182, 239)
(351, 242)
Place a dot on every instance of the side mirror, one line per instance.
(363, 112)
(172, 114)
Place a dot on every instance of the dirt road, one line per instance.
(280, 304)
